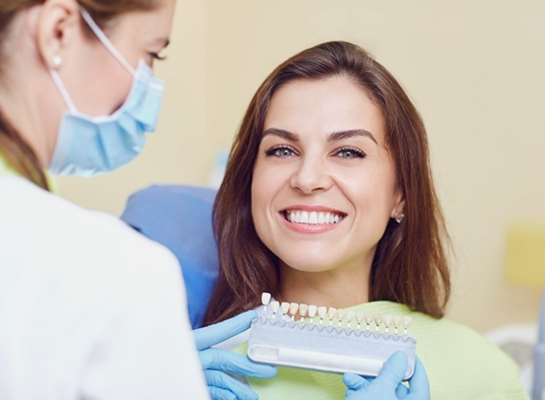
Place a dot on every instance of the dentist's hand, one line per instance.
(387, 385)
(215, 362)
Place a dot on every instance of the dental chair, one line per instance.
(180, 218)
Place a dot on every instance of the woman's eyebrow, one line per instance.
(292, 137)
(350, 133)
(330, 138)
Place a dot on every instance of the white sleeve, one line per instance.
(146, 349)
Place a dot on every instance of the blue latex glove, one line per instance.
(387, 385)
(215, 362)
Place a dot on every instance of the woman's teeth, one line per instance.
(313, 217)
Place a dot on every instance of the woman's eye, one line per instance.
(350, 153)
(281, 152)
(157, 56)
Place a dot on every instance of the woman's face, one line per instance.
(98, 82)
(324, 186)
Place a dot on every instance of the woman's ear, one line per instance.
(399, 203)
(58, 28)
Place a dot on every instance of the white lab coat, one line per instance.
(89, 309)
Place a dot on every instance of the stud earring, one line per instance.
(399, 217)
(56, 61)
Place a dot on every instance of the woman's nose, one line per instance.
(311, 175)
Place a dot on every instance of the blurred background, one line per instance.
(474, 69)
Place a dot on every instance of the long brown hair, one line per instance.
(409, 265)
(17, 152)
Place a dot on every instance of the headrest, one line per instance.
(180, 218)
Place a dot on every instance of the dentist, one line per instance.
(88, 308)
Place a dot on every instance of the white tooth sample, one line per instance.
(285, 307)
(313, 218)
(294, 307)
(350, 315)
(368, 321)
(406, 322)
(298, 217)
(265, 298)
(397, 322)
(331, 313)
(322, 311)
(275, 306)
(327, 218)
(359, 317)
(341, 313)
(336, 219)
(304, 217)
(321, 218)
(303, 309)
(312, 309)
(387, 323)
(378, 321)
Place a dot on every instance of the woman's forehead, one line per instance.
(324, 106)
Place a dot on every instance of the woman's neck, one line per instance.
(337, 287)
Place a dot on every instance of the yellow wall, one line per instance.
(475, 69)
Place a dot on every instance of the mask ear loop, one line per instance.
(62, 89)
(105, 41)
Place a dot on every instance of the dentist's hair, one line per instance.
(13, 147)
(409, 266)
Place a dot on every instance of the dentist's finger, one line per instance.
(393, 370)
(225, 384)
(217, 333)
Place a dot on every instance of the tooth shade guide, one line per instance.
(368, 321)
(274, 307)
(285, 307)
(341, 314)
(303, 309)
(387, 322)
(294, 307)
(322, 311)
(313, 347)
(333, 317)
(378, 321)
(397, 323)
(331, 313)
(359, 318)
(265, 299)
(406, 322)
(350, 315)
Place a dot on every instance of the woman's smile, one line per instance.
(311, 219)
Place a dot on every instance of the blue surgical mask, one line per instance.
(88, 146)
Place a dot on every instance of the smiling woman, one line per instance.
(328, 199)
(352, 143)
